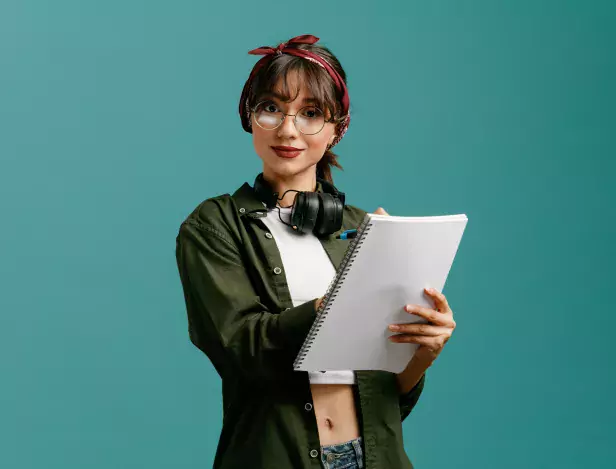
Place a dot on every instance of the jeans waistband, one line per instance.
(348, 455)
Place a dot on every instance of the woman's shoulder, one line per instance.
(214, 215)
(212, 210)
(353, 215)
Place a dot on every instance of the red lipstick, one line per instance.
(286, 151)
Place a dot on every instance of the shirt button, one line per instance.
(268, 235)
(242, 210)
(277, 270)
(308, 406)
(314, 453)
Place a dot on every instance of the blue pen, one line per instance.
(348, 234)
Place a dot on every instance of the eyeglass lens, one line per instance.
(308, 120)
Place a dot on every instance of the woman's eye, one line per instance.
(270, 107)
(309, 112)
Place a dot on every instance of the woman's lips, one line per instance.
(287, 153)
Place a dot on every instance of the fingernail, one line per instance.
(393, 327)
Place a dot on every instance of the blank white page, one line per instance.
(398, 258)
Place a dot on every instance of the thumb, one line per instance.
(380, 211)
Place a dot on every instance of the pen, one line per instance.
(348, 234)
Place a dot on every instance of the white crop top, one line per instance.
(309, 271)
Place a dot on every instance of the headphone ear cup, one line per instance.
(264, 192)
(305, 211)
(330, 216)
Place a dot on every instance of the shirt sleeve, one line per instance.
(408, 400)
(226, 319)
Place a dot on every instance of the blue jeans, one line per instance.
(347, 455)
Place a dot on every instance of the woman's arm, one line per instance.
(226, 318)
(411, 375)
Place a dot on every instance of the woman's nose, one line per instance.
(287, 128)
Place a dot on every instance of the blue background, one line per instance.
(118, 117)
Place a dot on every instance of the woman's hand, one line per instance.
(431, 337)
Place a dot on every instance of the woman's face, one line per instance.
(312, 146)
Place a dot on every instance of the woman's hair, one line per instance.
(318, 82)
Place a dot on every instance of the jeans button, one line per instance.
(331, 457)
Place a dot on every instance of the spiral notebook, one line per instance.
(387, 265)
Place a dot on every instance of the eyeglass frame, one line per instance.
(284, 116)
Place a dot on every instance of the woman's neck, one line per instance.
(299, 182)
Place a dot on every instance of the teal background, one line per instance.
(118, 117)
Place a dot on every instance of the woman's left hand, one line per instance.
(431, 337)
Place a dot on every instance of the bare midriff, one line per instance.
(334, 407)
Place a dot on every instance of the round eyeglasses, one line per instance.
(309, 120)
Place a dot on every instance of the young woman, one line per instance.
(253, 279)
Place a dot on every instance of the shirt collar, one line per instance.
(249, 204)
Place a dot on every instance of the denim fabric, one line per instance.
(347, 455)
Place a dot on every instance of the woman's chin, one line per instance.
(285, 164)
(286, 169)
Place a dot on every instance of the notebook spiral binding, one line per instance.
(334, 288)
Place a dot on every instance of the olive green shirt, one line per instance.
(240, 314)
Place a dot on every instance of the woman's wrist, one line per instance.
(411, 375)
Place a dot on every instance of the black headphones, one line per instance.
(317, 212)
